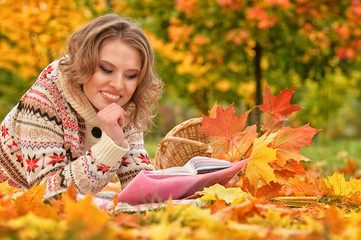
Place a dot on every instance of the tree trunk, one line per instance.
(258, 78)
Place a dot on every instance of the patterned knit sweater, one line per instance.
(49, 137)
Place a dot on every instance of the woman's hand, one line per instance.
(112, 121)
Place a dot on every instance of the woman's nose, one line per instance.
(117, 82)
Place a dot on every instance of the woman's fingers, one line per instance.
(112, 120)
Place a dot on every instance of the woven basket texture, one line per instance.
(182, 143)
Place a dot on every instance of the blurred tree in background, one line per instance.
(208, 51)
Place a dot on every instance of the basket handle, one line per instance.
(184, 140)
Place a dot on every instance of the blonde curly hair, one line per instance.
(81, 59)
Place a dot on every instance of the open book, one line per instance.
(159, 185)
(196, 165)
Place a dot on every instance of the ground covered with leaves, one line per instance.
(279, 195)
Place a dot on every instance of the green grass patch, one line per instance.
(332, 154)
(151, 143)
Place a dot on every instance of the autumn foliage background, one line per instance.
(218, 55)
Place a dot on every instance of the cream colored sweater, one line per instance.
(49, 137)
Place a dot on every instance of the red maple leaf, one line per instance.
(289, 141)
(278, 106)
(224, 127)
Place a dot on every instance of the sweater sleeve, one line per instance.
(91, 171)
(136, 159)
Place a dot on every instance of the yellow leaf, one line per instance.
(84, 218)
(6, 189)
(31, 226)
(32, 201)
(272, 218)
(262, 141)
(339, 186)
(229, 195)
(258, 168)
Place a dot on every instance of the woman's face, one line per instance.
(117, 75)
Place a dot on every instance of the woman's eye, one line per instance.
(131, 76)
(105, 69)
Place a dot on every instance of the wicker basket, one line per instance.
(182, 143)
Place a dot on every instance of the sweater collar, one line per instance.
(80, 103)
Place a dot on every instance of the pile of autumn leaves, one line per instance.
(277, 195)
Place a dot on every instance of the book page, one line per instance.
(196, 165)
(176, 171)
(206, 164)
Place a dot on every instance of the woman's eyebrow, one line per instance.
(108, 62)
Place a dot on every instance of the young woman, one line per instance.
(83, 119)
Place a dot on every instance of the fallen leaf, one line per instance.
(213, 112)
(289, 141)
(229, 195)
(240, 146)
(265, 192)
(289, 170)
(217, 205)
(278, 106)
(340, 187)
(258, 167)
(83, 217)
(238, 212)
(272, 125)
(307, 186)
(222, 129)
(112, 187)
(335, 220)
(32, 201)
(127, 220)
(72, 191)
(350, 168)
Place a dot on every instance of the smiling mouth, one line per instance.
(111, 96)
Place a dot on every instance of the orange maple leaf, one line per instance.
(278, 106)
(127, 220)
(271, 124)
(289, 141)
(350, 168)
(239, 147)
(32, 201)
(265, 192)
(307, 186)
(289, 170)
(85, 216)
(213, 112)
(222, 129)
(72, 191)
(335, 220)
